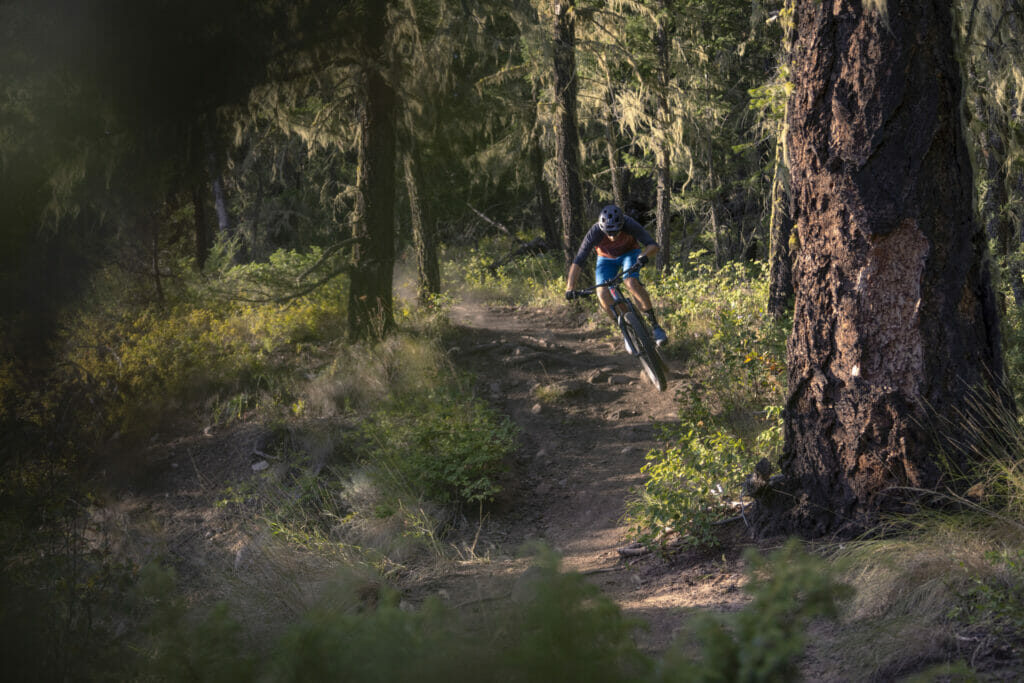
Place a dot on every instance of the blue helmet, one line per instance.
(611, 219)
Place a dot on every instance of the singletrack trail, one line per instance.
(587, 418)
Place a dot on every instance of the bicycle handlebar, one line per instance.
(579, 293)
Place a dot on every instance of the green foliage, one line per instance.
(450, 451)
(561, 628)
(765, 640)
(567, 630)
(182, 645)
(564, 630)
(992, 599)
(532, 280)
(730, 416)
(690, 486)
(205, 344)
(62, 592)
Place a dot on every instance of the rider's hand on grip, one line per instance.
(570, 295)
(641, 261)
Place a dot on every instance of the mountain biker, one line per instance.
(620, 242)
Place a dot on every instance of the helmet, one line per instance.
(611, 219)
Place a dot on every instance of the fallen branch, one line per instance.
(490, 221)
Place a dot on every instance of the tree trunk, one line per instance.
(895, 322)
(663, 166)
(612, 149)
(543, 195)
(428, 275)
(202, 231)
(370, 304)
(567, 139)
(220, 203)
(780, 271)
(154, 258)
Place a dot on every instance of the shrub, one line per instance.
(221, 337)
(765, 640)
(449, 450)
(729, 414)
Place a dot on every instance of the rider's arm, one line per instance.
(574, 272)
(650, 250)
(589, 240)
(642, 236)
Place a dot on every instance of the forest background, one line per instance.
(203, 207)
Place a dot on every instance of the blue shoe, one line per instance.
(660, 338)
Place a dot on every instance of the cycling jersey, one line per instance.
(632, 236)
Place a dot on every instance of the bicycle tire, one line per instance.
(650, 359)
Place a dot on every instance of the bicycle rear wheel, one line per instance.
(650, 359)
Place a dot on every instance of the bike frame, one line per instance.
(638, 341)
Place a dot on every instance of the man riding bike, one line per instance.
(620, 242)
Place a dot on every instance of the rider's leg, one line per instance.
(639, 292)
(606, 269)
(637, 289)
(604, 297)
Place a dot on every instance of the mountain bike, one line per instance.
(634, 330)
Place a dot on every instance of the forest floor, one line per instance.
(587, 418)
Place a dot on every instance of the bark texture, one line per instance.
(428, 272)
(567, 137)
(663, 158)
(780, 229)
(895, 321)
(370, 304)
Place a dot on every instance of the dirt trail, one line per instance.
(587, 418)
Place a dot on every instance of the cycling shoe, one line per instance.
(660, 338)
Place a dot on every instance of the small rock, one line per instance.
(260, 466)
(543, 489)
(495, 387)
(620, 379)
(536, 409)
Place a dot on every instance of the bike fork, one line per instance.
(623, 325)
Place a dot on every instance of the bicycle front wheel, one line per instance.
(650, 359)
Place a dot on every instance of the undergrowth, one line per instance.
(729, 413)
(563, 629)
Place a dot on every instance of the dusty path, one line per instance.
(587, 419)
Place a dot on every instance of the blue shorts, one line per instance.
(607, 268)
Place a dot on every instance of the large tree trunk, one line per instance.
(370, 304)
(428, 273)
(895, 320)
(780, 271)
(567, 138)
